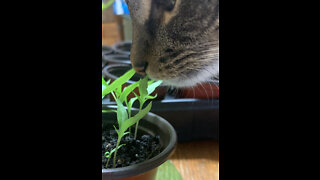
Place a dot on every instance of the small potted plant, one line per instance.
(114, 71)
(135, 142)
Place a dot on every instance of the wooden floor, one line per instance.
(197, 160)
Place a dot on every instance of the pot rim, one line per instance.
(116, 49)
(111, 58)
(107, 49)
(149, 164)
(106, 73)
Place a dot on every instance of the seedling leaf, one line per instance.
(122, 114)
(168, 171)
(108, 111)
(152, 97)
(118, 91)
(130, 103)
(131, 121)
(116, 129)
(127, 90)
(153, 86)
(118, 82)
(143, 86)
(104, 86)
(109, 154)
(150, 82)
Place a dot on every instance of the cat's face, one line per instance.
(176, 41)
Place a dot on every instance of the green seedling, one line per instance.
(124, 122)
(124, 117)
(108, 88)
(145, 89)
(108, 111)
(109, 154)
(104, 86)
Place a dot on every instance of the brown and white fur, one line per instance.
(176, 41)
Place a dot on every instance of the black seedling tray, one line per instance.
(193, 119)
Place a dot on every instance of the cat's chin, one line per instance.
(180, 83)
(186, 82)
(208, 74)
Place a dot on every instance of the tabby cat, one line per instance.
(176, 41)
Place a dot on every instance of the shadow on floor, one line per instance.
(204, 149)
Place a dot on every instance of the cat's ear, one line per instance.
(168, 5)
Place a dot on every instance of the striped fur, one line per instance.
(178, 39)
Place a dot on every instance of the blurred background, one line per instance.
(116, 24)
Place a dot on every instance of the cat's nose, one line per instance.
(140, 67)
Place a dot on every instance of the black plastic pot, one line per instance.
(151, 124)
(106, 50)
(115, 59)
(114, 71)
(122, 47)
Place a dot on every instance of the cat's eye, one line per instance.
(168, 5)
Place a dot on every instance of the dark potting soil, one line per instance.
(133, 152)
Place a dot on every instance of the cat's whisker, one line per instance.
(205, 91)
(197, 87)
(186, 95)
(194, 94)
(212, 93)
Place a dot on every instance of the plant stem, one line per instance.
(137, 124)
(115, 153)
(114, 96)
(136, 130)
(129, 113)
(107, 162)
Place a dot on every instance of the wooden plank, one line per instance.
(110, 34)
(197, 160)
(108, 16)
